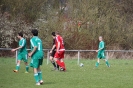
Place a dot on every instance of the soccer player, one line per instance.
(60, 50)
(101, 52)
(52, 53)
(36, 55)
(22, 53)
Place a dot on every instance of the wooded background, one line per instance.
(80, 22)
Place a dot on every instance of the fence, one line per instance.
(78, 52)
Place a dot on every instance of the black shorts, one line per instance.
(53, 53)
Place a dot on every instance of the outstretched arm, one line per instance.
(16, 48)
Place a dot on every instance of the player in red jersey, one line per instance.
(60, 50)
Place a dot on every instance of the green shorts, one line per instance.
(101, 55)
(35, 63)
(22, 57)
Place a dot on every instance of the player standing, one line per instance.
(22, 53)
(101, 52)
(60, 50)
(52, 53)
(36, 55)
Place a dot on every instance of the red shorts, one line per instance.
(59, 55)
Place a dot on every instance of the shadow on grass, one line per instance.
(48, 83)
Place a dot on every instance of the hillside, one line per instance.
(80, 22)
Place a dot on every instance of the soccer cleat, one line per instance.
(54, 69)
(41, 82)
(26, 72)
(38, 84)
(15, 71)
(62, 69)
(108, 66)
(97, 64)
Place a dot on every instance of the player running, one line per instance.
(60, 50)
(36, 55)
(22, 53)
(52, 53)
(101, 52)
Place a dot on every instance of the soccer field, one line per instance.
(119, 75)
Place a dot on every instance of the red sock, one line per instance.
(59, 63)
(63, 65)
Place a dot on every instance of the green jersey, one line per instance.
(101, 46)
(36, 42)
(22, 43)
(101, 53)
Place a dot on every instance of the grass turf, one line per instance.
(119, 75)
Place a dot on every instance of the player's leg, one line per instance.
(58, 55)
(17, 66)
(36, 76)
(52, 61)
(62, 61)
(26, 63)
(57, 61)
(63, 64)
(97, 63)
(98, 60)
(39, 71)
(40, 75)
(107, 63)
(19, 58)
(34, 64)
(26, 67)
(56, 66)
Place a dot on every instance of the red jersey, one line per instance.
(59, 39)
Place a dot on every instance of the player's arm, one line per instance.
(16, 48)
(58, 44)
(33, 51)
(58, 47)
(34, 45)
(102, 47)
(20, 46)
(52, 48)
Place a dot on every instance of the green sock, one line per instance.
(107, 63)
(97, 64)
(17, 67)
(40, 75)
(36, 77)
(27, 68)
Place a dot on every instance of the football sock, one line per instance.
(57, 66)
(97, 64)
(53, 63)
(36, 77)
(27, 68)
(40, 75)
(17, 67)
(59, 63)
(107, 63)
(63, 65)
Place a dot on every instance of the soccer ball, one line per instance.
(81, 64)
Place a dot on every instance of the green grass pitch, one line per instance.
(119, 75)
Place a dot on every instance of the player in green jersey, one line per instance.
(36, 55)
(22, 53)
(101, 52)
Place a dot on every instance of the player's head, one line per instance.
(53, 34)
(100, 38)
(20, 35)
(57, 33)
(34, 32)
